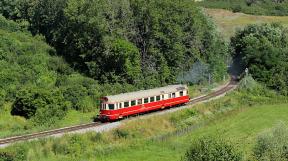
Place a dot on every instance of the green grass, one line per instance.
(228, 22)
(154, 138)
(240, 127)
(15, 125)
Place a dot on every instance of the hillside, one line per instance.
(255, 7)
(228, 22)
(58, 57)
(238, 118)
(101, 54)
(39, 85)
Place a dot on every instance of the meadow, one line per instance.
(241, 127)
(229, 22)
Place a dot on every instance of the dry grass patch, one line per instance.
(228, 22)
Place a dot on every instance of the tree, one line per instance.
(263, 49)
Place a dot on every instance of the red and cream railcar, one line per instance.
(118, 106)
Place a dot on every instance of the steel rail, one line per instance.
(27, 137)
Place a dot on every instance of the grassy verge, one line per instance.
(238, 117)
(15, 125)
(228, 22)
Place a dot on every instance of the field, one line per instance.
(240, 127)
(238, 118)
(228, 22)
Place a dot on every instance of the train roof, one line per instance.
(144, 93)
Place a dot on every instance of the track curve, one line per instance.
(230, 86)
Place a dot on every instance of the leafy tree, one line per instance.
(263, 49)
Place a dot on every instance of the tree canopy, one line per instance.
(158, 38)
(264, 50)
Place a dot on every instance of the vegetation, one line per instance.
(211, 149)
(141, 43)
(272, 145)
(263, 50)
(255, 7)
(238, 118)
(40, 86)
(228, 22)
(121, 46)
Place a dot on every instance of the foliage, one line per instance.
(206, 149)
(256, 7)
(263, 50)
(46, 107)
(37, 81)
(132, 41)
(233, 120)
(272, 145)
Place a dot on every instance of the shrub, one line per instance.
(207, 149)
(43, 105)
(272, 145)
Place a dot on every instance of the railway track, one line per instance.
(27, 137)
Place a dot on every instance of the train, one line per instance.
(123, 105)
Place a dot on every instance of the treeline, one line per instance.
(263, 49)
(255, 7)
(144, 43)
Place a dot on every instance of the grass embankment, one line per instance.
(239, 117)
(241, 127)
(228, 22)
(16, 125)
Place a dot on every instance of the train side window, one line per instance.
(133, 103)
(126, 104)
(111, 106)
(181, 93)
(120, 105)
(158, 98)
(146, 100)
(173, 95)
(152, 99)
(169, 95)
(162, 97)
(139, 101)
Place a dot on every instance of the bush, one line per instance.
(43, 105)
(272, 145)
(208, 149)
